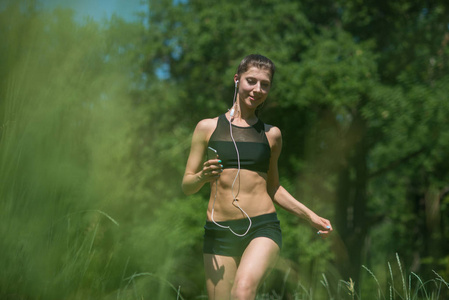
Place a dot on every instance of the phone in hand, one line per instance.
(211, 153)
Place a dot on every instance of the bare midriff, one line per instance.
(250, 190)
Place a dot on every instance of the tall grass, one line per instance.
(408, 287)
(404, 287)
(65, 127)
(79, 218)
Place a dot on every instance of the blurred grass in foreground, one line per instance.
(64, 143)
(79, 215)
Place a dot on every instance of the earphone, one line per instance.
(231, 113)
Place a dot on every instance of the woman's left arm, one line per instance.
(282, 197)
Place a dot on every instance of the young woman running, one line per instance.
(242, 236)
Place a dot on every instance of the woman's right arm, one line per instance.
(197, 171)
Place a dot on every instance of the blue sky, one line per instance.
(97, 9)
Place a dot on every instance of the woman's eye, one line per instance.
(263, 84)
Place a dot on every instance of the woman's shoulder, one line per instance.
(273, 134)
(205, 128)
(272, 130)
(207, 124)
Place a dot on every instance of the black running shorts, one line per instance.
(222, 241)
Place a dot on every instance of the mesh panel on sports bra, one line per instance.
(251, 141)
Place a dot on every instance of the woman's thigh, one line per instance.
(220, 274)
(259, 257)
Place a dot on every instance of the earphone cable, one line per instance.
(235, 201)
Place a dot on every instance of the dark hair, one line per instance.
(258, 61)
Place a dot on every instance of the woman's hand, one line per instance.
(323, 225)
(211, 171)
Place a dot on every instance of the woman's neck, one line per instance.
(243, 116)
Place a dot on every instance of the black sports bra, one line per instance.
(252, 143)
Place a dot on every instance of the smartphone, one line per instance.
(211, 153)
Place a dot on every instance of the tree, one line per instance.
(345, 78)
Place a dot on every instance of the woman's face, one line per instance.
(254, 86)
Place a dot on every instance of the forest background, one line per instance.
(95, 128)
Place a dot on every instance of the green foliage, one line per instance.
(64, 156)
(334, 71)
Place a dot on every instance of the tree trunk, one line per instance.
(351, 204)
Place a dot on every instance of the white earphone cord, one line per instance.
(235, 179)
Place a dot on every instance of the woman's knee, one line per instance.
(244, 289)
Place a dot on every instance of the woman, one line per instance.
(242, 234)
